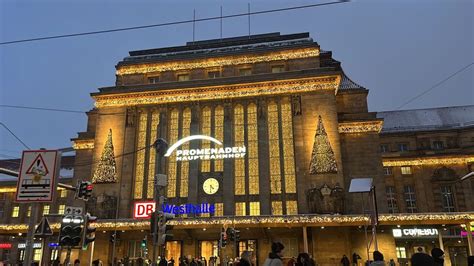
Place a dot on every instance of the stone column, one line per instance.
(305, 239)
(470, 244)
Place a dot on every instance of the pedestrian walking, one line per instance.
(77, 262)
(438, 256)
(355, 259)
(246, 259)
(345, 260)
(274, 257)
(421, 259)
(378, 259)
(304, 260)
(391, 263)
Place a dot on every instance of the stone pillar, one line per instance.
(440, 239)
(305, 239)
(470, 244)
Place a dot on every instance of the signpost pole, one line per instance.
(91, 256)
(68, 256)
(160, 146)
(30, 234)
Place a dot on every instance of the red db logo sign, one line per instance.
(143, 209)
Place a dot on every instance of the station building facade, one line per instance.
(304, 133)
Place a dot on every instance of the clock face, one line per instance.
(210, 186)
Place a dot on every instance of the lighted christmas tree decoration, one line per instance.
(106, 171)
(322, 158)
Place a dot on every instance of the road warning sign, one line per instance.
(38, 176)
(43, 229)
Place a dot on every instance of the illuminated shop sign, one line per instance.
(5, 245)
(23, 245)
(189, 208)
(464, 233)
(415, 232)
(144, 209)
(205, 154)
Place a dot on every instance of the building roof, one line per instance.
(348, 84)
(215, 47)
(427, 119)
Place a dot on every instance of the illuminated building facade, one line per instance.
(307, 133)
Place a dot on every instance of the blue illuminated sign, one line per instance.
(189, 208)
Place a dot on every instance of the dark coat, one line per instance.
(422, 259)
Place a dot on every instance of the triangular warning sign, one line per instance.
(38, 167)
(43, 228)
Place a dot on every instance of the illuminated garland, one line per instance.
(216, 62)
(257, 221)
(427, 161)
(106, 171)
(360, 127)
(83, 144)
(218, 92)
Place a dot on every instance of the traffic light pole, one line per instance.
(160, 145)
(30, 235)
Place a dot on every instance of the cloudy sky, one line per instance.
(396, 49)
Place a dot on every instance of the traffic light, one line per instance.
(163, 227)
(70, 232)
(237, 235)
(89, 230)
(223, 239)
(84, 190)
(234, 234)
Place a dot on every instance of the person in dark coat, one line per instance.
(355, 258)
(470, 261)
(304, 260)
(421, 259)
(438, 256)
(246, 258)
(193, 262)
(274, 257)
(345, 261)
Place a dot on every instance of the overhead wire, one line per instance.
(435, 85)
(171, 23)
(14, 135)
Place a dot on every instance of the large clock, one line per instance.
(210, 186)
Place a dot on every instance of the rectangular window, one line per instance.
(183, 77)
(63, 193)
(277, 208)
(278, 69)
(291, 246)
(245, 71)
(438, 145)
(213, 74)
(291, 207)
(219, 211)
(46, 209)
(54, 254)
(387, 171)
(37, 254)
(254, 208)
(140, 155)
(61, 209)
(384, 148)
(274, 148)
(410, 199)
(401, 252)
(239, 140)
(240, 209)
(391, 199)
(153, 80)
(252, 146)
(28, 213)
(447, 198)
(1, 212)
(406, 170)
(402, 147)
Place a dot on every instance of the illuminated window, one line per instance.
(206, 130)
(401, 252)
(172, 165)
(406, 170)
(447, 198)
(140, 164)
(252, 147)
(54, 254)
(438, 145)
(61, 209)
(205, 214)
(155, 120)
(402, 147)
(239, 164)
(219, 134)
(288, 151)
(410, 199)
(245, 71)
(277, 208)
(186, 127)
(16, 211)
(291, 207)
(183, 77)
(46, 209)
(219, 211)
(254, 208)
(28, 212)
(213, 74)
(384, 148)
(240, 209)
(391, 199)
(153, 80)
(63, 193)
(278, 69)
(37, 254)
(387, 171)
(274, 148)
